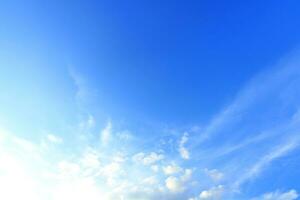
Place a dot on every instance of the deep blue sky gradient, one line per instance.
(172, 61)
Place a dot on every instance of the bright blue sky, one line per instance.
(144, 100)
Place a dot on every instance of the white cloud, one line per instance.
(83, 92)
(171, 169)
(280, 84)
(24, 144)
(214, 193)
(67, 168)
(125, 135)
(214, 174)
(15, 182)
(112, 169)
(3, 134)
(54, 139)
(147, 159)
(155, 168)
(289, 195)
(187, 175)
(106, 133)
(277, 152)
(90, 160)
(87, 124)
(119, 157)
(178, 184)
(152, 180)
(182, 149)
(78, 189)
(174, 184)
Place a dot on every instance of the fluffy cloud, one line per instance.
(147, 159)
(152, 180)
(171, 169)
(174, 184)
(154, 168)
(178, 184)
(182, 149)
(214, 193)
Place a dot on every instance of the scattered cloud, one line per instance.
(179, 184)
(87, 124)
(154, 168)
(174, 184)
(182, 149)
(114, 173)
(106, 133)
(214, 193)
(279, 151)
(67, 168)
(90, 159)
(149, 159)
(171, 169)
(277, 195)
(214, 174)
(83, 91)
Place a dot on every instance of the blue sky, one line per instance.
(147, 100)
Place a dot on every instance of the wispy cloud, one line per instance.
(277, 195)
(270, 84)
(278, 152)
(106, 133)
(84, 93)
(185, 154)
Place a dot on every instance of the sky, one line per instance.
(149, 100)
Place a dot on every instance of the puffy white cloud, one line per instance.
(214, 193)
(277, 195)
(178, 184)
(174, 184)
(187, 175)
(182, 149)
(147, 159)
(171, 169)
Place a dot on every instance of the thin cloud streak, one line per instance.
(276, 153)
